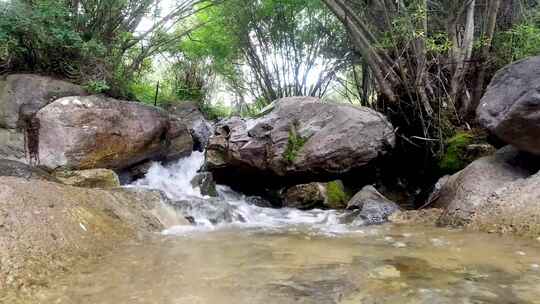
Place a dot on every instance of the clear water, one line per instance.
(258, 255)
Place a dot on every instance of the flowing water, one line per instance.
(240, 253)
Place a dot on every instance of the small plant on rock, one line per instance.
(294, 144)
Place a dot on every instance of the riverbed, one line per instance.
(383, 264)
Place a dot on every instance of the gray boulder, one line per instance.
(89, 132)
(190, 114)
(510, 107)
(494, 194)
(23, 95)
(464, 192)
(214, 210)
(371, 207)
(302, 137)
(514, 208)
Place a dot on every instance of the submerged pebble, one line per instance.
(400, 245)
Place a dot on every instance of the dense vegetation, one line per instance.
(423, 63)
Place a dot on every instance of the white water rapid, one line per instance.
(229, 208)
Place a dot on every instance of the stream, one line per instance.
(240, 253)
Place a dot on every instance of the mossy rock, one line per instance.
(462, 149)
(336, 195)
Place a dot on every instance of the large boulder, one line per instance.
(494, 194)
(514, 208)
(190, 114)
(46, 227)
(23, 95)
(510, 107)
(302, 137)
(88, 132)
(464, 192)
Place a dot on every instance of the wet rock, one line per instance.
(27, 94)
(205, 182)
(300, 138)
(135, 172)
(79, 133)
(213, 210)
(18, 169)
(48, 227)
(260, 202)
(91, 178)
(371, 207)
(417, 217)
(375, 212)
(465, 191)
(190, 114)
(510, 107)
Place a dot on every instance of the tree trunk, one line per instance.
(362, 39)
(462, 56)
(486, 50)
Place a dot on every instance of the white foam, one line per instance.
(175, 181)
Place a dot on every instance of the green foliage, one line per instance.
(294, 144)
(277, 40)
(521, 41)
(96, 86)
(215, 111)
(337, 196)
(454, 157)
(40, 37)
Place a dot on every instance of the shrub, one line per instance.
(96, 86)
(39, 37)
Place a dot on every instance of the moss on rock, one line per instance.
(336, 195)
(462, 149)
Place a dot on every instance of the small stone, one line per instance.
(535, 266)
(388, 238)
(521, 253)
